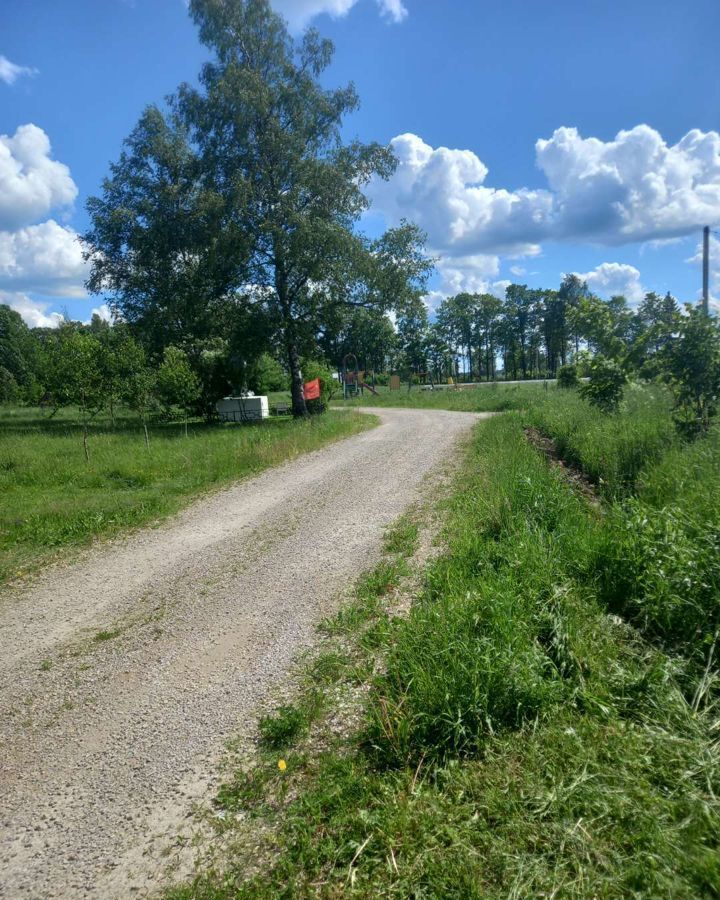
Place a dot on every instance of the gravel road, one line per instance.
(124, 674)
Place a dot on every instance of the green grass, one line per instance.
(52, 500)
(491, 397)
(518, 738)
(614, 449)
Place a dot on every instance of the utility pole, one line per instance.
(706, 270)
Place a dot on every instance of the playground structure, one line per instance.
(353, 378)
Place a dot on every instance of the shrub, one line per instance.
(311, 370)
(567, 377)
(267, 376)
(692, 363)
(605, 387)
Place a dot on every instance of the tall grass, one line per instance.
(659, 558)
(51, 499)
(518, 741)
(612, 449)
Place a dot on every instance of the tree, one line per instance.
(412, 333)
(18, 356)
(605, 386)
(246, 195)
(160, 246)
(692, 364)
(119, 355)
(572, 289)
(488, 309)
(267, 375)
(140, 390)
(176, 383)
(73, 374)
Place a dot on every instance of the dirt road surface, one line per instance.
(124, 674)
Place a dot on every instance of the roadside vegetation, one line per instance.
(52, 499)
(544, 719)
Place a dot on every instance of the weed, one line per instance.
(107, 635)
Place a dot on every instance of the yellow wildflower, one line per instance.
(282, 765)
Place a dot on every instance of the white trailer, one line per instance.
(243, 409)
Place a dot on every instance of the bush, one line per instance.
(267, 376)
(567, 377)
(606, 385)
(692, 363)
(311, 370)
(9, 390)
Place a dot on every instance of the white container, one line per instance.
(243, 409)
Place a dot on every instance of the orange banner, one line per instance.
(312, 390)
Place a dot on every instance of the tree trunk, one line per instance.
(85, 443)
(147, 438)
(299, 407)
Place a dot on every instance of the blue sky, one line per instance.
(624, 95)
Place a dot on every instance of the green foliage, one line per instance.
(19, 351)
(606, 384)
(9, 389)
(692, 365)
(658, 560)
(267, 376)
(567, 377)
(200, 186)
(280, 730)
(487, 648)
(73, 371)
(177, 385)
(312, 369)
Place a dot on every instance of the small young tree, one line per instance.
(177, 385)
(73, 374)
(567, 376)
(139, 386)
(692, 364)
(119, 357)
(606, 385)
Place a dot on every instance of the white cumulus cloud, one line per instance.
(31, 183)
(35, 313)
(611, 279)
(10, 71)
(45, 258)
(299, 12)
(442, 191)
(633, 188)
(103, 311)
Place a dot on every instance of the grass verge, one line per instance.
(51, 499)
(514, 739)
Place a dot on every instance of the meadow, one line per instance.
(51, 500)
(492, 396)
(543, 722)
